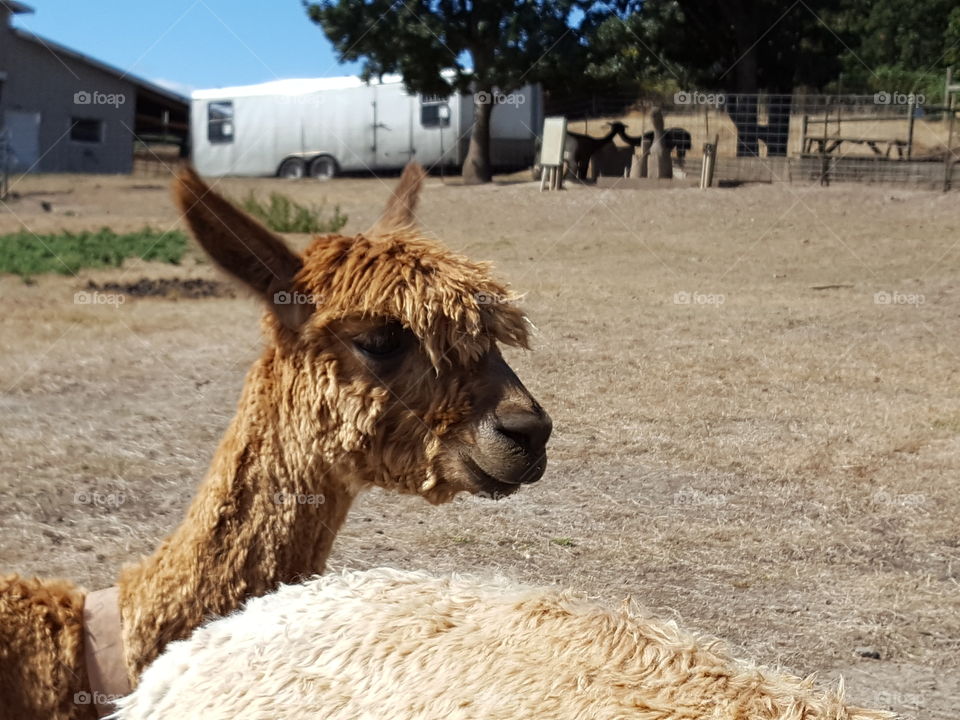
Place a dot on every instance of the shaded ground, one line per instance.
(754, 392)
(166, 287)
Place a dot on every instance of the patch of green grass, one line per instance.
(563, 542)
(25, 253)
(282, 214)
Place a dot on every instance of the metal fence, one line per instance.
(884, 138)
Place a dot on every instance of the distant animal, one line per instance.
(673, 138)
(381, 367)
(402, 645)
(580, 148)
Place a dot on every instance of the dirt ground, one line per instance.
(754, 392)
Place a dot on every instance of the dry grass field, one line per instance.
(754, 391)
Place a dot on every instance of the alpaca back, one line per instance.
(389, 644)
(41, 646)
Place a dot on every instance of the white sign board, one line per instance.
(554, 138)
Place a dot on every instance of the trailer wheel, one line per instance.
(292, 169)
(323, 167)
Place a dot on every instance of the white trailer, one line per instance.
(321, 127)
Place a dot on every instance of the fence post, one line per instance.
(949, 99)
(709, 163)
(912, 110)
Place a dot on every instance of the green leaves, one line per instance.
(282, 214)
(502, 44)
(26, 253)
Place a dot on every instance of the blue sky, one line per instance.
(187, 44)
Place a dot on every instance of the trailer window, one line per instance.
(86, 130)
(220, 121)
(435, 114)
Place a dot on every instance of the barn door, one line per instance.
(23, 133)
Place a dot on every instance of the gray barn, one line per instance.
(61, 111)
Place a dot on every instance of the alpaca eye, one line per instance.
(383, 342)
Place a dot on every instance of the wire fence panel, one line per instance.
(885, 137)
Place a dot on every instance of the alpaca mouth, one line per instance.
(487, 485)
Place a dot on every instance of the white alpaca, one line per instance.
(392, 645)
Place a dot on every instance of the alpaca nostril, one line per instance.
(529, 430)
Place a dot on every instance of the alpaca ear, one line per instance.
(400, 211)
(242, 246)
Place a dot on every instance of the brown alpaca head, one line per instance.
(383, 366)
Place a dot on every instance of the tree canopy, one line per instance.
(575, 48)
(482, 45)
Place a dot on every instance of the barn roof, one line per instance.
(17, 8)
(65, 52)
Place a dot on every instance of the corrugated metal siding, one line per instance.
(39, 80)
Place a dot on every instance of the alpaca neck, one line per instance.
(267, 513)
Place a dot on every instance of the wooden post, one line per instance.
(911, 110)
(948, 164)
(638, 163)
(660, 165)
(713, 159)
(706, 121)
(949, 99)
(703, 166)
(709, 162)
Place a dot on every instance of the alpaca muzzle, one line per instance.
(510, 441)
(103, 650)
(511, 448)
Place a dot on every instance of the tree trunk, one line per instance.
(476, 168)
(777, 133)
(660, 165)
(743, 108)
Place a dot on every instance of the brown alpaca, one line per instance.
(381, 368)
(580, 149)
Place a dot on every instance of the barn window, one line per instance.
(220, 121)
(434, 113)
(86, 130)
